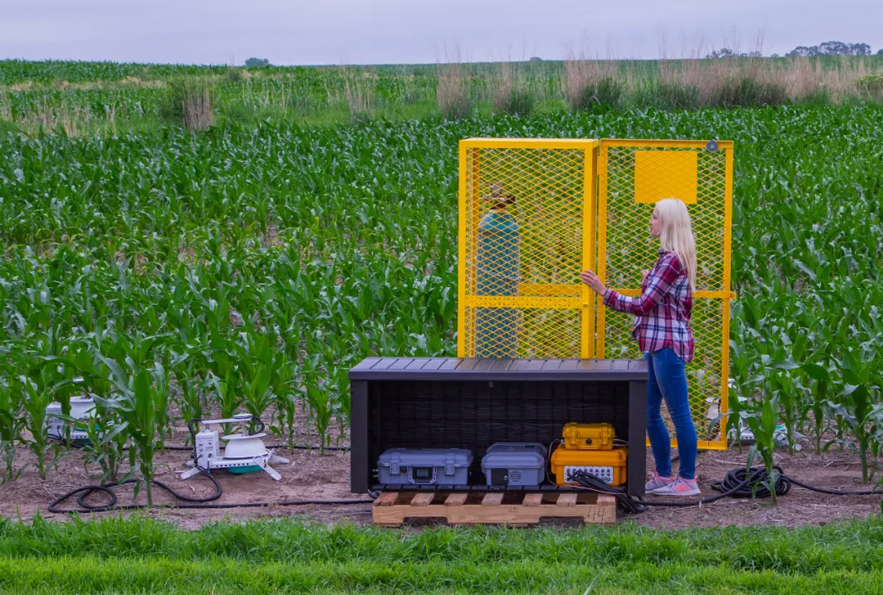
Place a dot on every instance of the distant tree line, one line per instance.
(828, 48)
(831, 48)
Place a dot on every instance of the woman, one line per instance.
(662, 329)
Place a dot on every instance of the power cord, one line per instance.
(176, 447)
(188, 502)
(738, 483)
(277, 446)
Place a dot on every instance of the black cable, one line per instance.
(84, 492)
(273, 446)
(757, 485)
(834, 492)
(738, 483)
(190, 502)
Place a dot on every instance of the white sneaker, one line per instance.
(657, 481)
(679, 487)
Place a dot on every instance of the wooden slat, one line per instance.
(567, 499)
(441, 369)
(384, 364)
(492, 499)
(365, 364)
(400, 363)
(456, 499)
(502, 365)
(434, 364)
(422, 499)
(484, 365)
(386, 499)
(604, 511)
(518, 365)
(533, 499)
(599, 509)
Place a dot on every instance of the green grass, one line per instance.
(144, 556)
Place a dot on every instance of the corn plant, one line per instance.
(855, 407)
(35, 403)
(763, 426)
(261, 363)
(820, 390)
(11, 424)
(191, 387)
(789, 394)
(106, 444)
(321, 408)
(137, 391)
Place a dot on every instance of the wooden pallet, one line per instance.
(391, 509)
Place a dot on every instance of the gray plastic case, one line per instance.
(515, 464)
(425, 466)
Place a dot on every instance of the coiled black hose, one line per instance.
(737, 483)
(189, 502)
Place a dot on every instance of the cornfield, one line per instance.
(247, 268)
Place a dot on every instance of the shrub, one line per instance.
(453, 92)
(590, 86)
(189, 104)
(677, 96)
(511, 94)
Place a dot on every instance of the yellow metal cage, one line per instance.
(535, 212)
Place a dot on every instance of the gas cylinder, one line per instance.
(498, 261)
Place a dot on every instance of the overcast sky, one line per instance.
(416, 31)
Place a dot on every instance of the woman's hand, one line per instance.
(592, 280)
(644, 275)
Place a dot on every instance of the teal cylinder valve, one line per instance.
(498, 262)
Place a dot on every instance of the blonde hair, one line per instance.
(677, 234)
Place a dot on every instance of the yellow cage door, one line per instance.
(632, 176)
(526, 221)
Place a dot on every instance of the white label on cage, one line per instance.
(605, 473)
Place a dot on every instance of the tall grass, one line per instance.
(143, 95)
(360, 94)
(453, 91)
(510, 92)
(588, 85)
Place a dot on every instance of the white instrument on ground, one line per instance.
(244, 452)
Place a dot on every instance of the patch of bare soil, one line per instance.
(310, 476)
(835, 470)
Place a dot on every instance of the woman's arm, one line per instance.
(658, 284)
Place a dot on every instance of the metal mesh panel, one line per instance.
(523, 206)
(530, 221)
(627, 220)
(633, 175)
(530, 333)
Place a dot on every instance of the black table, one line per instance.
(472, 403)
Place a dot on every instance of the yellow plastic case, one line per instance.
(607, 464)
(588, 436)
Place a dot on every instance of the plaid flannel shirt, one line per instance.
(663, 310)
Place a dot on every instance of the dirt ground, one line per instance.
(310, 476)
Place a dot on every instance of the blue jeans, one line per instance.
(668, 380)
